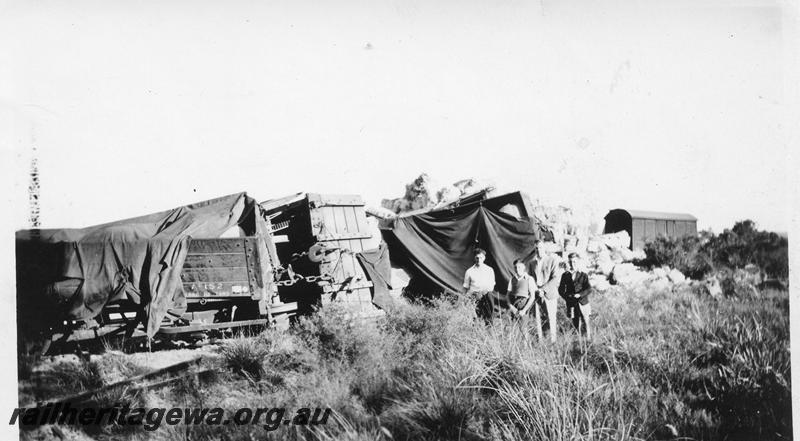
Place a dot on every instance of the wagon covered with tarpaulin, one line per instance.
(206, 266)
(436, 247)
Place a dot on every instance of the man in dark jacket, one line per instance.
(575, 289)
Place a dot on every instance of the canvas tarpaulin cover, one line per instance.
(438, 247)
(71, 274)
(378, 270)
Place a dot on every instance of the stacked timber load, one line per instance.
(423, 194)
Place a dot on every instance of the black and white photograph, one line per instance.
(393, 220)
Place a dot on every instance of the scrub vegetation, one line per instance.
(669, 364)
(734, 248)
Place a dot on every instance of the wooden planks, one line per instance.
(680, 228)
(341, 222)
(215, 261)
(343, 236)
(225, 267)
(316, 200)
(638, 237)
(348, 286)
(216, 246)
(229, 274)
(661, 227)
(649, 229)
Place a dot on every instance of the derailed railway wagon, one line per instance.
(183, 273)
(435, 247)
(327, 239)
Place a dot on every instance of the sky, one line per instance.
(139, 106)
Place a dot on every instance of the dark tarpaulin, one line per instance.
(438, 246)
(71, 274)
(378, 269)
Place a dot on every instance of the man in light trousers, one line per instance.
(546, 272)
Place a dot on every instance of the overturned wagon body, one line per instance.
(205, 266)
(644, 226)
(327, 246)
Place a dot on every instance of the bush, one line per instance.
(336, 334)
(744, 244)
(245, 356)
(735, 248)
(686, 254)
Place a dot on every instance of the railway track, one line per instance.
(195, 370)
(190, 336)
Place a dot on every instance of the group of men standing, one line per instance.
(537, 286)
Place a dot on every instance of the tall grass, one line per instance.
(661, 365)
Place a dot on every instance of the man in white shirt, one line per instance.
(479, 281)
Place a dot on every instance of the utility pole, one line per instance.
(33, 192)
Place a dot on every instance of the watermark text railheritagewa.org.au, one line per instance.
(152, 418)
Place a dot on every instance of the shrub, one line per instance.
(245, 356)
(335, 333)
(74, 377)
(744, 244)
(698, 256)
(685, 254)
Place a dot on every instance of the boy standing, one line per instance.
(521, 291)
(574, 288)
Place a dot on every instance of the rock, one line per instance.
(571, 242)
(661, 272)
(564, 223)
(604, 263)
(468, 186)
(418, 195)
(552, 248)
(627, 255)
(627, 274)
(599, 282)
(618, 240)
(422, 194)
(448, 194)
(594, 245)
(659, 284)
(620, 255)
(712, 287)
(751, 274)
(676, 277)
(400, 278)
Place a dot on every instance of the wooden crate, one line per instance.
(335, 221)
